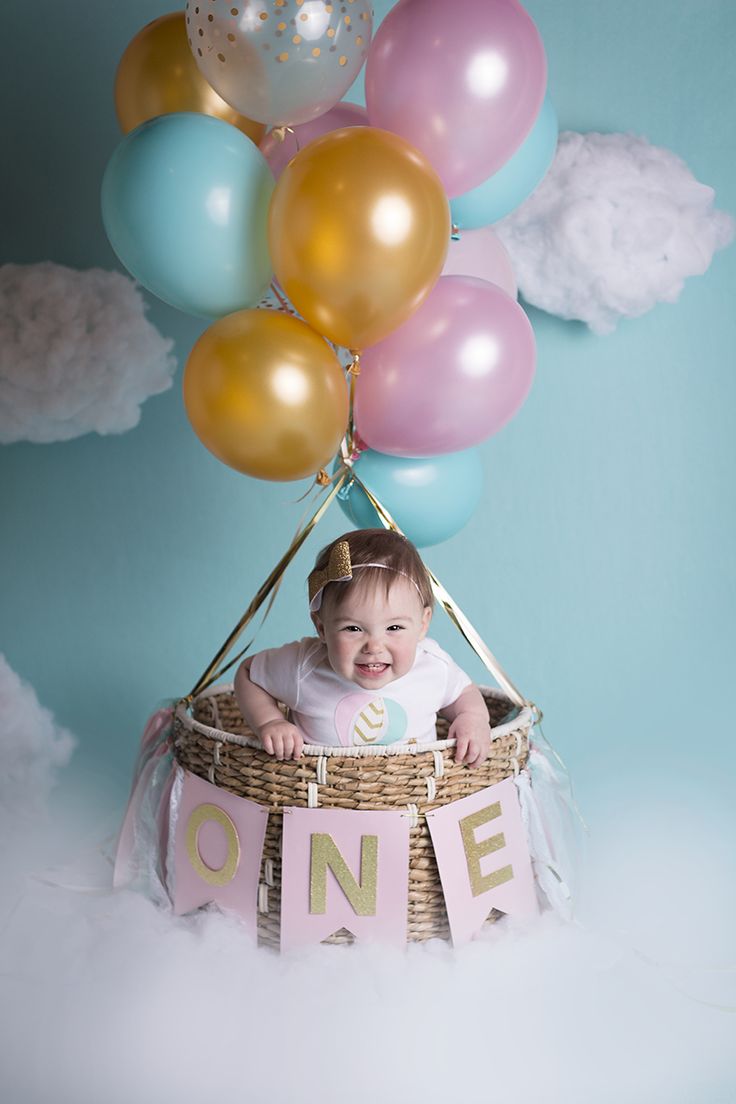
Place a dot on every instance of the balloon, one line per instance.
(266, 395)
(430, 500)
(157, 75)
(185, 206)
(515, 181)
(285, 65)
(450, 376)
(279, 151)
(462, 81)
(480, 253)
(358, 229)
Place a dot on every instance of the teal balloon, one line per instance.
(429, 499)
(185, 205)
(511, 185)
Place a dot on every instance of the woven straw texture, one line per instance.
(216, 744)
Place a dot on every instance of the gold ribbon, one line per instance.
(213, 672)
(453, 611)
(335, 570)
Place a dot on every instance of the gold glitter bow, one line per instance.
(339, 570)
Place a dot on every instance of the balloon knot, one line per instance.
(322, 478)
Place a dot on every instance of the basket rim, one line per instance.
(523, 720)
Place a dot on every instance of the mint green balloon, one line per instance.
(515, 181)
(185, 202)
(430, 499)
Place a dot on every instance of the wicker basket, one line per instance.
(216, 744)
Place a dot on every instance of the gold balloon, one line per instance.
(266, 395)
(359, 227)
(157, 75)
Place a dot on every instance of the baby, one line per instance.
(371, 676)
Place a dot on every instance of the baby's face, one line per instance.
(372, 636)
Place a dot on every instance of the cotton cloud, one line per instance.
(105, 997)
(615, 227)
(33, 747)
(77, 354)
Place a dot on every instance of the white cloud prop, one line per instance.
(615, 227)
(104, 997)
(77, 354)
(32, 749)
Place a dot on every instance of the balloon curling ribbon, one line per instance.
(353, 373)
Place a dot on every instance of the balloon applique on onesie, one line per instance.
(362, 719)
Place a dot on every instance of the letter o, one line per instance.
(228, 870)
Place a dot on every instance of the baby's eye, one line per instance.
(395, 628)
(351, 628)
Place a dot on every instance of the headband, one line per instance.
(340, 570)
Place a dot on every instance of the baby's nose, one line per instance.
(372, 644)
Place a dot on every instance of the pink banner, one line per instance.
(344, 868)
(217, 850)
(483, 858)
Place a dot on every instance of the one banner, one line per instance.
(344, 868)
(218, 847)
(483, 858)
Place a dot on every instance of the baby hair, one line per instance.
(377, 546)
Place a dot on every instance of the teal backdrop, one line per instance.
(599, 567)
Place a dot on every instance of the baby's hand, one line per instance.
(282, 739)
(473, 737)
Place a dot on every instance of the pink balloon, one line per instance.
(462, 80)
(452, 375)
(279, 154)
(480, 253)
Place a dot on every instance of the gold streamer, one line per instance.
(271, 584)
(212, 672)
(455, 614)
(353, 373)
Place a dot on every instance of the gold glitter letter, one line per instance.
(474, 851)
(324, 853)
(228, 870)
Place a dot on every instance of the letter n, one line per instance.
(361, 895)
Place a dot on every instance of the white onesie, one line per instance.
(329, 709)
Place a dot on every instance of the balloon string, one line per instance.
(284, 302)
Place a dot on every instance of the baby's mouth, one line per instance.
(372, 668)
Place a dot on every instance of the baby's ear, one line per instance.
(319, 626)
(426, 618)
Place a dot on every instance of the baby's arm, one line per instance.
(278, 736)
(470, 726)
